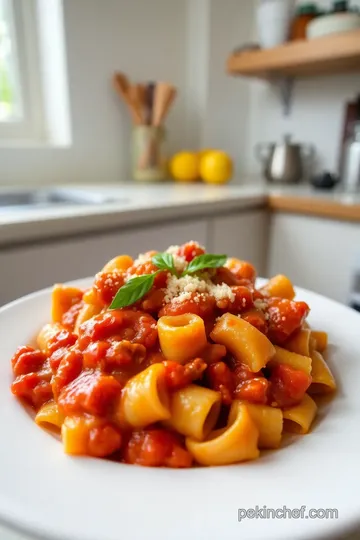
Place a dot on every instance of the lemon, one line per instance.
(184, 166)
(202, 153)
(216, 167)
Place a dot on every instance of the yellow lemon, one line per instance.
(216, 167)
(184, 166)
(202, 153)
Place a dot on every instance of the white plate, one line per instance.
(46, 493)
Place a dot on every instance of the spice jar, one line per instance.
(305, 14)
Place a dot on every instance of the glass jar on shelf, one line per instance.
(304, 15)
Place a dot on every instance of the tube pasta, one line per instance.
(299, 418)
(74, 436)
(46, 334)
(294, 360)
(237, 442)
(321, 340)
(194, 411)
(300, 342)
(244, 341)
(280, 286)
(323, 381)
(118, 264)
(145, 399)
(62, 299)
(49, 414)
(130, 379)
(87, 312)
(268, 420)
(182, 337)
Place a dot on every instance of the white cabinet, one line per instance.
(243, 235)
(315, 253)
(29, 268)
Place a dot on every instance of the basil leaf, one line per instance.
(132, 291)
(164, 261)
(208, 260)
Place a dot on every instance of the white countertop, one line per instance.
(135, 204)
(144, 204)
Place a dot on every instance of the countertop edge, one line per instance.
(95, 221)
(313, 206)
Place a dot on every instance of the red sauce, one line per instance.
(156, 448)
(86, 373)
(178, 376)
(288, 385)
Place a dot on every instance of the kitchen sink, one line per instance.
(49, 198)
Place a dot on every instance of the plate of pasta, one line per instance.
(178, 395)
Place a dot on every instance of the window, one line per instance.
(32, 73)
(10, 99)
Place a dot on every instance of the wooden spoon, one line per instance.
(121, 85)
(164, 97)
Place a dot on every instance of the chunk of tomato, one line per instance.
(221, 379)
(109, 356)
(156, 448)
(70, 367)
(122, 324)
(199, 304)
(288, 385)
(190, 250)
(33, 387)
(254, 390)
(27, 360)
(91, 392)
(256, 318)
(178, 376)
(285, 317)
(106, 285)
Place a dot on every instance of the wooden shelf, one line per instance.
(328, 55)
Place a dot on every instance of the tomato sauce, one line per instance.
(85, 372)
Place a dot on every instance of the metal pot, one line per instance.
(285, 162)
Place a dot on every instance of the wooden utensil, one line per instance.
(136, 101)
(149, 102)
(121, 85)
(164, 97)
(140, 91)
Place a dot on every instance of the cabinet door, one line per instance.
(30, 268)
(243, 236)
(318, 254)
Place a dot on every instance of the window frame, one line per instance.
(25, 31)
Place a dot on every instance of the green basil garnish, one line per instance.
(132, 291)
(208, 260)
(138, 286)
(164, 261)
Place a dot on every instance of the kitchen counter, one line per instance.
(140, 204)
(305, 200)
(133, 205)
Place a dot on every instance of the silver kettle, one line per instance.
(285, 162)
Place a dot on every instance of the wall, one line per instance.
(186, 42)
(316, 118)
(145, 39)
(227, 121)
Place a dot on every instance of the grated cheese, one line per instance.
(187, 287)
(142, 258)
(173, 250)
(260, 304)
(180, 263)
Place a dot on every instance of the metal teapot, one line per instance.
(285, 162)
